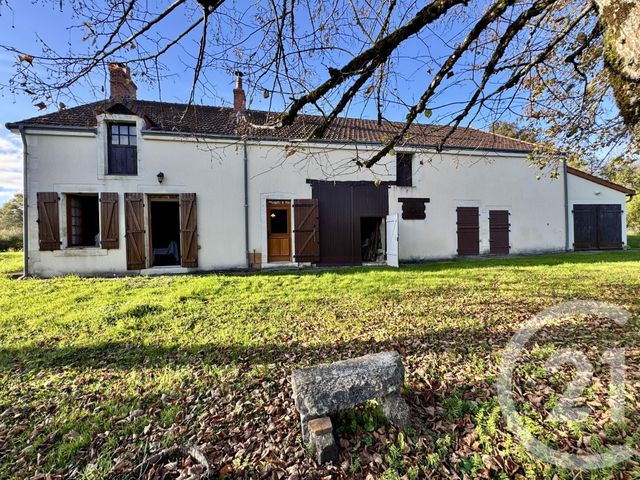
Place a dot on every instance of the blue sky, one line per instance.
(25, 22)
(22, 25)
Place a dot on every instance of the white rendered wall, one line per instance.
(213, 169)
(489, 182)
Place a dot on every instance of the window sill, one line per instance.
(117, 176)
(80, 252)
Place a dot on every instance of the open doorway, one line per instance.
(372, 239)
(164, 231)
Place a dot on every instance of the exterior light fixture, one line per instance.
(160, 177)
(273, 215)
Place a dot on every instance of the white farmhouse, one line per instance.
(131, 185)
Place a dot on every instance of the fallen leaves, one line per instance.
(99, 413)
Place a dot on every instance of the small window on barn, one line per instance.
(403, 170)
(122, 149)
(83, 220)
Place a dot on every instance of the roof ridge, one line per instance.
(216, 119)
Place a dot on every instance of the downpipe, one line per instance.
(25, 204)
(246, 201)
(566, 205)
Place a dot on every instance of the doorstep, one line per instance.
(168, 270)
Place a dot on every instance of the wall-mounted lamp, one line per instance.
(273, 215)
(160, 177)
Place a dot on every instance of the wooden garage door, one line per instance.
(468, 230)
(499, 232)
(597, 227)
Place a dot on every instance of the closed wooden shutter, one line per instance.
(188, 230)
(468, 231)
(48, 221)
(109, 226)
(499, 232)
(134, 230)
(306, 230)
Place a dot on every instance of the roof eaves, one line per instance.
(600, 181)
(44, 126)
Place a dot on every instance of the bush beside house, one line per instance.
(11, 224)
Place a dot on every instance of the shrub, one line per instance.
(10, 239)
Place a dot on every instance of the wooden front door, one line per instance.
(279, 230)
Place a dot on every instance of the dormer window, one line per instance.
(122, 149)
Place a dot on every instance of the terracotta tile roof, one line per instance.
(600, 181)
(211, 120)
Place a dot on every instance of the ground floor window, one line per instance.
(83, 220)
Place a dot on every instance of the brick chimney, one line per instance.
(120, 82)
(239, 98)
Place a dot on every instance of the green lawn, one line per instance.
(633, 241)
(10, 262)
(97, 373)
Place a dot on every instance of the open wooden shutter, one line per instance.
(468, 230)
(306, 230)
(499, 232)
(109, 228)
(134, 230)
(48, 221)
(188, 230)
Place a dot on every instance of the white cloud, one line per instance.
(10, 167)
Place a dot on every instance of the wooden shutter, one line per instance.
(48, 221)
(499, 232)
(306, 230)
(134, 230)
(468, 231)
(413, 208)
(109, 227)
(188, 230)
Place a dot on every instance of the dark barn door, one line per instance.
(597, 227)
(468, 230)
(499, 232)
(341, 206)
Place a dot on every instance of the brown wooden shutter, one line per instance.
(468, 231)
(134, 230)
(109, 226)
(306, 230)
(48, 221)
(499, 232)
(188, 230)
